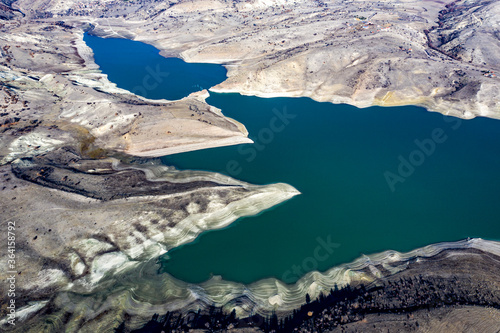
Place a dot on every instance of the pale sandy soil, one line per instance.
(87, 242)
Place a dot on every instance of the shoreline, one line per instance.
(391, 302)
(90, 230)
(427, 102)
(372, 271)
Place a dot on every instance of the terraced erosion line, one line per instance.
(80, 215)
(140, 292)
(97, 218)
(443, 292)
(90, 227)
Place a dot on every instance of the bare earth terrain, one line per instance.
(92, 207)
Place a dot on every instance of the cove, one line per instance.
(339, 157)
(139, 68)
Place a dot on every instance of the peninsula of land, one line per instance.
(93, 208)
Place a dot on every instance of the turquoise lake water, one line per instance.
(371, 179)
(139, 68)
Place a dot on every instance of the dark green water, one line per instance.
(340, 158)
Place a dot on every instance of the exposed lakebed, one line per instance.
(371, 179)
